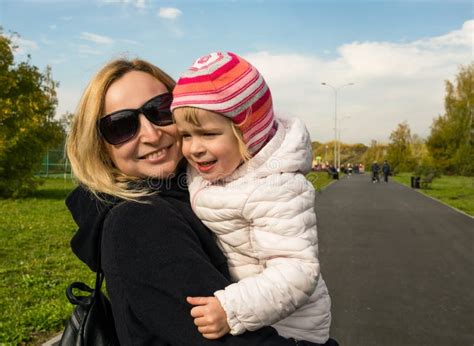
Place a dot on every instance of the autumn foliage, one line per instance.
(27, 127)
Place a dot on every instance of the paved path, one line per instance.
(399, 266)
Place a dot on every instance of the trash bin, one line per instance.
(335, 175)
(415, 182)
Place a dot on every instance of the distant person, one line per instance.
(349, 168)
(332, 172)
(375, 172)
(386, 171)
(247, 184)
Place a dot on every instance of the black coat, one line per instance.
(155, 255)
(375, 168)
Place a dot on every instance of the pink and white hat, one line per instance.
(229, 85)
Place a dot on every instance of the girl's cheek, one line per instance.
(185, 149)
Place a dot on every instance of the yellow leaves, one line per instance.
(27, 128)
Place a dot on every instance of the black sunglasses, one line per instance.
(121, 126)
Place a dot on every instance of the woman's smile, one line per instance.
(157, 155)
(155, 150)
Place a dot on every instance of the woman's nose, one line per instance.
(149, 132)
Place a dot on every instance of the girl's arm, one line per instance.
(154, 261)
(284, 239)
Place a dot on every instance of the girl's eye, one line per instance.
(210, 134)
(185, 135)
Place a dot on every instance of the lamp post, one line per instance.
(339, 140)
(335, 117)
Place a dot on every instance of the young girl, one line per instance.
(247, 185)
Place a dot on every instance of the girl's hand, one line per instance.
(209, 316)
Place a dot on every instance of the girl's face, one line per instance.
(212, 147)
(154, 151)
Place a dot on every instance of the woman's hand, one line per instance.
(209, 316)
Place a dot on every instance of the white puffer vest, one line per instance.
(264, 221)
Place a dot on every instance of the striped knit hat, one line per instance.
(227, 84)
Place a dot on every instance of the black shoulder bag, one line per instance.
(91, 322)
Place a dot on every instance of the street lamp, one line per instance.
(339, 140)
(335, 117)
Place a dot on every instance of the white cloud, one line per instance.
(175, 31)
(23, 46)
(96, 38)
(136, 43)
(45, 40)
(169, 13)
(83, 49)
(458, 38)
(59, 60)
(394, 82)
(52, 27)
(140, 4)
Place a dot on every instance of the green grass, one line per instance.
(319, 179)
(455, 191)
(36, 264)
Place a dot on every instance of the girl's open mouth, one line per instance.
(205, 166)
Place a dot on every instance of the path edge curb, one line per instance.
(435, 199)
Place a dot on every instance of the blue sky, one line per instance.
(397, 53)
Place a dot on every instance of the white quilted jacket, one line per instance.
(264, 220)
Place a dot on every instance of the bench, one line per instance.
(426, 181)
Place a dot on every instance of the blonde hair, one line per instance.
(191, 116)
(87, 152)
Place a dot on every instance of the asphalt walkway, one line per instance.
(399, 266)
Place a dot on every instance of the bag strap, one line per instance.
(99, 273)
(99, 278)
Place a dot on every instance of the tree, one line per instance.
(451, 140)
(319, 149)
(418, 149)
(399, 151)
(376, 152)
(65, 121)
(27, 127)
(352, 153)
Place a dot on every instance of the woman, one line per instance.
(126, 153)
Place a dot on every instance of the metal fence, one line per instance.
(55, 164)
